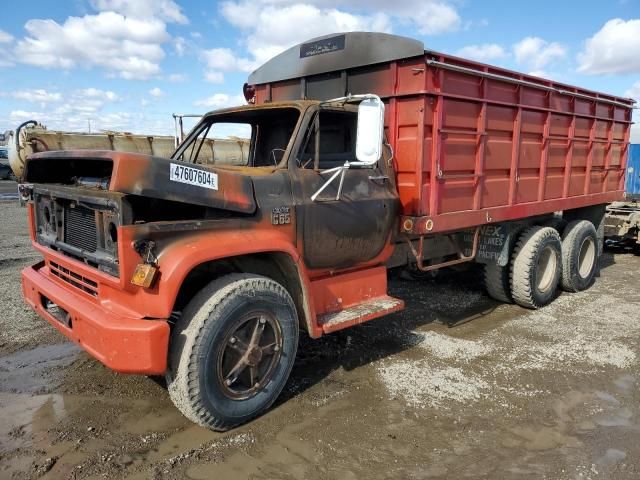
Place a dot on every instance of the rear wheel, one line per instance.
(232, 351)
(497, 282)
(536, 267)
(557, 223)
(497, 279)
(579, 255)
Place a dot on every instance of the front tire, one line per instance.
(536, 267)
(232, 350)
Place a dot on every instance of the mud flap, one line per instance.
(494, 243)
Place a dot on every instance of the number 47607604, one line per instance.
(193, 176)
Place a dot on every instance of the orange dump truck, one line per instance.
(366, 153)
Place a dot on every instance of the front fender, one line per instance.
(179, 258)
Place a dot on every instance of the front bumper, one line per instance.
(127, 345)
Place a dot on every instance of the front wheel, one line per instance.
(232, 350)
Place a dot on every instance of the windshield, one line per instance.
(255, 138)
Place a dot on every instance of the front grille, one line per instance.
(80, 228)
(75, 279)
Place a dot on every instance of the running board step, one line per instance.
(360, 313)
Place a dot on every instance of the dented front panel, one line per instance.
(81, 223)
(188, 223)
(147, 176)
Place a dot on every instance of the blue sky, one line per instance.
(128, 64)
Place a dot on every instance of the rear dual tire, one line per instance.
(497, 282)
(579, 255)
(541, 260)
(536, 267)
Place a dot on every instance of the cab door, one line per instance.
(340, 231)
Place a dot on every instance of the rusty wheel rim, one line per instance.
(249, 356)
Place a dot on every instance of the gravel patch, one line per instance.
(578, 334)
(446, 347)
(421, 384)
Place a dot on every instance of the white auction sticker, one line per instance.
(193, 176)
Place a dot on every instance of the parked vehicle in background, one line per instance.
(5, 169)
(622, 222)
(32, 137)
(367, 152)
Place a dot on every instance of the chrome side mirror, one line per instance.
(370, 131)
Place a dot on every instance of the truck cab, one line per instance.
(298, 227)
(295, 148)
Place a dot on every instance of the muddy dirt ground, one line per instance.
(455, 386)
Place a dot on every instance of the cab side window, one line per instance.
(331, 141)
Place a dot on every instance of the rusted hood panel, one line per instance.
(145, 175)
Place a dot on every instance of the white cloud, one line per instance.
(556, 75)
(221, 100)
(74, 110)
(238, 14)
(86, 101)
(156, 92)
(274, 28)
(179, 45)
(483, 53)
(124, 37)
(429, 17)
(166, 10)
(6, 59)
(125, 46)
(539, 73)
(269, 27)
(37, 96)
(17, 116)
(214, 77)
(105, 95)
(613, 49)
(177, 77)
(5, 37)
(69, 118)
(73, 107)
(219, 60)
(634, 91)
(536, 53)
(223, 59)
(434, 18)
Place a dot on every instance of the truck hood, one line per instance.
(148, 176)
